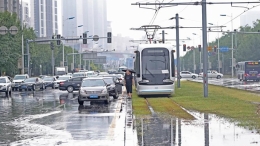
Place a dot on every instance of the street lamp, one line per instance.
(69, 18)
(73, 60)
(218, 51)
(232, 47)
(194, 65)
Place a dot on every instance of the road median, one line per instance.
(237, 105)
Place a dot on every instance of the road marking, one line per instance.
(112, 126)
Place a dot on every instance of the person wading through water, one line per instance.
(129, 82)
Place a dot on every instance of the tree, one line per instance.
(246, 48)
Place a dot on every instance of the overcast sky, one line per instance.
(125, 16)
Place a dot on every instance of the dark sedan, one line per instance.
(115, 87)
(71, 85)
(50, 81)
(32, 84)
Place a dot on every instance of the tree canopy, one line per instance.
(246, 48)
(40, 54)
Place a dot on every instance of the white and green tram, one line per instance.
(155, 69)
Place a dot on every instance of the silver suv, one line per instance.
(18, 79)
(5, 85)
(93, 89)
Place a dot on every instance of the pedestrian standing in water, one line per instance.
(129, 82)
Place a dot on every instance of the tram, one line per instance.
(154, 69)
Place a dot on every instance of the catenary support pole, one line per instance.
(178, 50)
(205, 50)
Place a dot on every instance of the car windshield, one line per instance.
(109, 80)
(90, 74)
(48, 79)
(30, 80)
(103, 73)
(2, 80)
(77, 75)
(63, 78)
(93, 83)
(19, 77)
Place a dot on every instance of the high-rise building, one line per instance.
(91, 15)
(10, 6)
(44, 17)
(24, 14)
(249, 18)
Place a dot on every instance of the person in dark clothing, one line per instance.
(129, 82)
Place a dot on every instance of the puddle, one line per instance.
(207, 130)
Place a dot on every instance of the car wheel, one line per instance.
(7, 93)
(116, 96)
(33, 88)
(218, 77)
(53, 86)
(106, 101)
(43, 87)
(70, 89)
(80, 102)
(194, 77)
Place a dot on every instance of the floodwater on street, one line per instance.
(54, 117)
(206, 130)
(41, 118)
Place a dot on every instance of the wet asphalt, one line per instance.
(53, 117)
(233, 83)
(49, 117)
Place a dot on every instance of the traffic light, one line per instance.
(85, 40)
(199, 46)
(58, 41)
(215, 48)
(109, 37)
(184, 47)
(52, 46)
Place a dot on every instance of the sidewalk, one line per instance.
(121, 129)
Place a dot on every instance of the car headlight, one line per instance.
(104, 91)
(81, 90)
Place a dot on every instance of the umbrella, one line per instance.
(131, 70)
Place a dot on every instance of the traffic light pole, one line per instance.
(52, 61)
(48, 40)
(178, 50)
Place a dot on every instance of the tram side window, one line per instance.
(173, 65)
(137, 64)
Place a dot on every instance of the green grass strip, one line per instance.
(241, 106)
(140, 107)
(167, 106)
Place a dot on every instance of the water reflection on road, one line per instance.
(207, 130)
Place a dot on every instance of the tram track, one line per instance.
(166, 105)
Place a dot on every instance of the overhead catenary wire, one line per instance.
(241, 14)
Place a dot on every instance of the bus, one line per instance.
(154, 69)
(248, 70)
(130, 63)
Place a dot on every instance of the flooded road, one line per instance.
(206, 130)
(53, 117)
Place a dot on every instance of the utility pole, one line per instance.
(232, 51)
(28, 57)
(163, 37)
(178, 49)
(218, 55)
(22, 41)
(205, 50)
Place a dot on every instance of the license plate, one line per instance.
(253, 74)
(93, 96)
